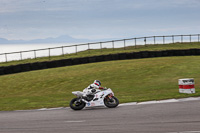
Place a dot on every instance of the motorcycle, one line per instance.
(97, 98)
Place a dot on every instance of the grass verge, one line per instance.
(131, 80)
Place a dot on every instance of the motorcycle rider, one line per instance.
(92, 88)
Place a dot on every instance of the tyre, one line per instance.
(111, 103)
(75, 104)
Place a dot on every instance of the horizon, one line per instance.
(75, 41)
(31, 47)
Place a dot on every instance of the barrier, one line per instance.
(186, 86)
(83, 60)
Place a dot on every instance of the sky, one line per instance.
(97, 19)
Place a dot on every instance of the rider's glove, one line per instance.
(105, 88)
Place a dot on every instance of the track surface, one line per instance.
(174, 117)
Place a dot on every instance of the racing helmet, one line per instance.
(97, 82)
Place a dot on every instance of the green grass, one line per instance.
(131, 80)
(104, 51)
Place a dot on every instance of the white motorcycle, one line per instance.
(97, 98)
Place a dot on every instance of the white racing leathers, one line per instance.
(89, 89)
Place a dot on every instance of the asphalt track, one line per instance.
(181, 116)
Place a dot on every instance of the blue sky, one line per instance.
(97, 19)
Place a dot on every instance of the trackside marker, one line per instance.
(186, 86)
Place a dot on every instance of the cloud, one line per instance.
(31, 19)
(90, 5)
(11, 6)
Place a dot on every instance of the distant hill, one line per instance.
(60, 39)
(3, 41)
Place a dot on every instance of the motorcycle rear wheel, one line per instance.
(76, 105)
(111, 104)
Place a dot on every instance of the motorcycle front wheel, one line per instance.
(77, 104)
(111, 103)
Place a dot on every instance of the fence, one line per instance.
(63, 50)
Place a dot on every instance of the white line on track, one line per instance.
(75, 121)
(162, 101)
(185, 132)
(134, 103)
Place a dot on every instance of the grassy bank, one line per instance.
(104, 51)
(131, 80)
